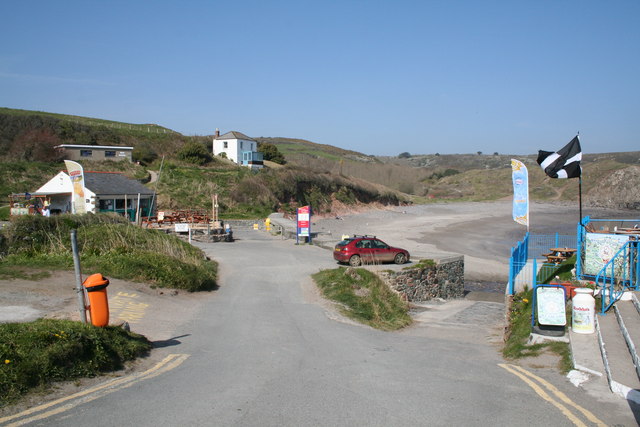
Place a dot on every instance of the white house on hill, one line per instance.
(238, 148)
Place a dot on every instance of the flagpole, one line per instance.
(580, 196)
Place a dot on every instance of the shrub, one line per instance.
(144, 154)
(195, 153)
(271, 153)
(37, 353)
(112, 245)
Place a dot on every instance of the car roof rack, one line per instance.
(362, 236)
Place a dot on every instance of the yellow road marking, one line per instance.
(588, 414)
(525, 376)
(124, 306)
(168, 363)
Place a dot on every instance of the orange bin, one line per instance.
(96, 287)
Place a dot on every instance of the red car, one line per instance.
(357, 250)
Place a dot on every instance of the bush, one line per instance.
(112, 245)
(194, 153)
(38, 353)
(271, 153)
(144, 154)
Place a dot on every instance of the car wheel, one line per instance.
(400, 258)
(355, 261)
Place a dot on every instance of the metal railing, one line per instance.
(523, 263)
(620, 274)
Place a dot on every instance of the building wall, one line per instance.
(98, 154)
(234, 149)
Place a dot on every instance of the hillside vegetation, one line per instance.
(323, 175)
(107, 243)
(31, 136)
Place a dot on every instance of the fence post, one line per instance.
(79, 287)
(511, 278)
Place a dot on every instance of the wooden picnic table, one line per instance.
(557, 255)
(566, 252)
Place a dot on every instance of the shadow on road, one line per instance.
(168, 343)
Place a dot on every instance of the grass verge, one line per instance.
(519, 328)
(35, 354)
(364, 297)
(108, 244)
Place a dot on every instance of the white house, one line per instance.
(238, 148)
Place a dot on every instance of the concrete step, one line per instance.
(629, 321)
(585, 351)
(618, 364)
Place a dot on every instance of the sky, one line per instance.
(378, 77)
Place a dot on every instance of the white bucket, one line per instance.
(584, 311)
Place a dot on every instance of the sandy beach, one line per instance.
(483, 232)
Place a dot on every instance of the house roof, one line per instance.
(113, 183)
(235, 135)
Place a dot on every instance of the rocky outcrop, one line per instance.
(620, 190)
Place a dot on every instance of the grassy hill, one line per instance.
(31, 135)
(321, 174)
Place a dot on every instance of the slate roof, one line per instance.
(235, 135)
(113, 183)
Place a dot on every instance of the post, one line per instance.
(138, 211)
(580, 196)
(79, 289)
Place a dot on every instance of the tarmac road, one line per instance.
(264, 350)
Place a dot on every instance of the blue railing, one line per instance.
(621, 272)
(517, 261)
(541, 243)
(532, 247)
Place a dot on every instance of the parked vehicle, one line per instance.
(367, 249)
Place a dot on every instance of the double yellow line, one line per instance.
(537, 384)
(65, 403)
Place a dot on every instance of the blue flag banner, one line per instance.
(520, 179)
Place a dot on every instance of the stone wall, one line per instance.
(422, 283)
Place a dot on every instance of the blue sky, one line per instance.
(379, 77)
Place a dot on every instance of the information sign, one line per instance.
(304, 216)
(550, 302)
(182, 228)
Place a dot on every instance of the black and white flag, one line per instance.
(565, 163)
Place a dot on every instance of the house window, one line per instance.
(86, 153)
(241, 145)
(109, 153)
(225, 144)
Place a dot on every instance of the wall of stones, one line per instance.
(423, 283)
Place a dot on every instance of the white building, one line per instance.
(104, 192)
(239, 148)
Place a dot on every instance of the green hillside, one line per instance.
(32, 136)
(321, 174)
